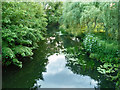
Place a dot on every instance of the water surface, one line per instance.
(52, 68)
(59, 76)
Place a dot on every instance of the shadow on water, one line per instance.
(51, 67)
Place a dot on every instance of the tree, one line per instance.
(94, 15)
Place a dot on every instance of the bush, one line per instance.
(102, 49)
(24, 24)
(107, 53)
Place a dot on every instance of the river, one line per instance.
(51, 67)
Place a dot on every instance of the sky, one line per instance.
(59, 76)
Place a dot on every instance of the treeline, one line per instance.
(91, 17)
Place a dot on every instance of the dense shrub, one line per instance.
(23, 25)
(105, 52)
(104, 49)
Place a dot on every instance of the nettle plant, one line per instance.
(23, 25)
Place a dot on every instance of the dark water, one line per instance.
(52, 67)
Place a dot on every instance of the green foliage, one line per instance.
(107, 68)
(82, 17)
(111, 70)
(110, 18)
(102, 49)
(107, 53)
(7, 52)
(24, 24)
(23, 51)
(53, 11)
(80, 63)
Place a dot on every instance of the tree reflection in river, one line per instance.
(79, 63)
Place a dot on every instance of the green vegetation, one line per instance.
(53, 12)
(81, 18)
(24, 25)
(97, 26)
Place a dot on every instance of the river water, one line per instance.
(51, 67)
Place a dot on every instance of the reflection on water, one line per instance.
(50, 68)
(59, 76)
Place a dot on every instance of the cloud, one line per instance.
(58, 76)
